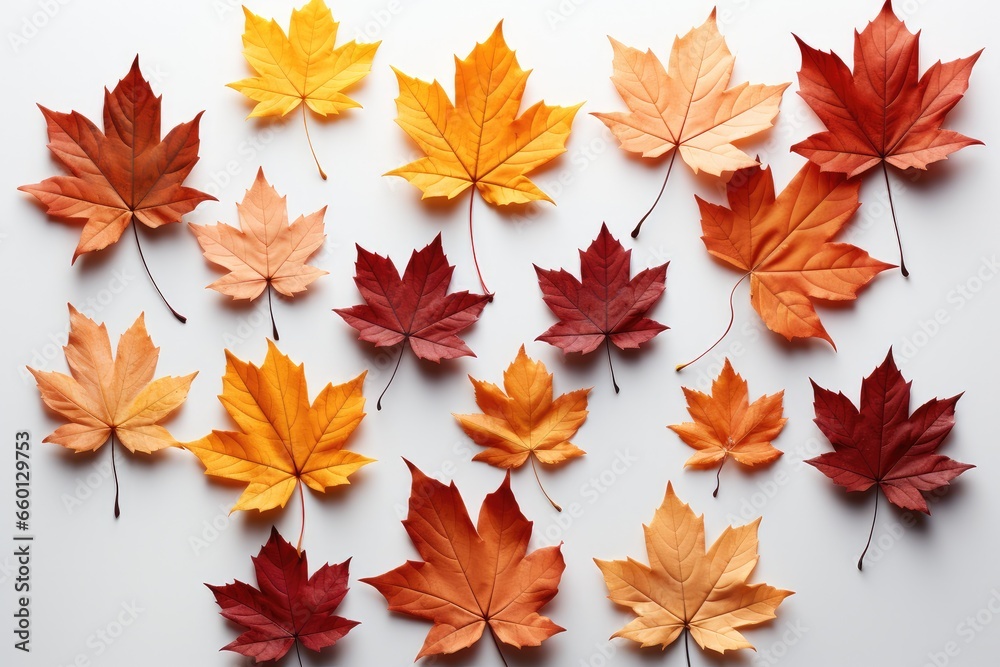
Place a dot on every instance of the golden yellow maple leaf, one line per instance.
(684, 589)
(303, 67)
(687, 106)
(726, 424)
(480, 140)
(522, 422)
(108, 397)
(283, 441)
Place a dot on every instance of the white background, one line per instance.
(918, 588)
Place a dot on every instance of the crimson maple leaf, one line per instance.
(415, 307)
(884, 112)
(883, 444)
(289, 608)
(125, 174)
(606, 306)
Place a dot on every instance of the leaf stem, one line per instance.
(607, 346)
(496, 643)
(114, 469)
(718, 473)
(635, 232)
(311, 149)
(899, 242)
(297, 653)
(135, 230)
(732, 317)
(534, 469)
(378, 405)
(870, 533)
(472, 239)
(302, 508)
(274, 327)
(687, 651)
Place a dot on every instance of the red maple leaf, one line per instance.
(884, 112)
(606, 306)
(415, 307)
(882, 443)
(125, 174)
(289, 608)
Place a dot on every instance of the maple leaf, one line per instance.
(472, 577)
(303, 67)
(111, 397)
(726, 425)
(525, 423)
(415, 307)
(283, 441)
(882, 444)
(784, 246)
(289, 608)
(606, 306)
(266, 252)
(687, 107)
(122, 175)
(480, 140)
(686, 590)
(884, 112)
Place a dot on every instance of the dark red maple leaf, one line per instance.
(415, 307)
(124, 174)
(289, 608)
(883, 444)
(606, 306)
(884, 112)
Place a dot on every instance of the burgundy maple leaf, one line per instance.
(882, 443)
(606, 306)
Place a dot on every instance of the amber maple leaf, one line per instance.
(122, 175)
(784, 246)
(265, 252)
(289, 608)
(686, 590)
(472, 578)
(480, 140)
(303, 67)
(885, 112)
(687, 106)
(283, 441)
(727, 425)
(522, 422)
(415, 307)
(111, 397)
(606, 306)
(882, 444)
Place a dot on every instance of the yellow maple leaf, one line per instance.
(726, 424)
(283, 441)
(480, 140)
(687, 106)
(303, 67)
(525, 423)
(108, 397)
(684, 589)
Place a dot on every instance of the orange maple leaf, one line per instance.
(108, 397)
(480, 140)
(784, 246)
(687, 106)
(686, 590)
(726, 425)
(525, 423)
(472, 577)
(125, 174)
(884, 113)
(283, 441)
(266, 252)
